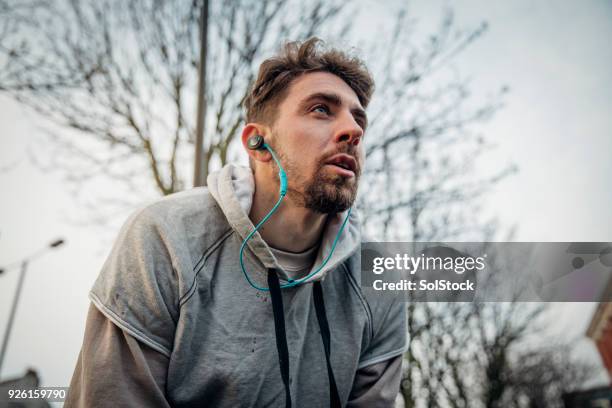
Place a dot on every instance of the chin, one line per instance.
(330, 199)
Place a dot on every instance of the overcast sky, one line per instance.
(556, 58)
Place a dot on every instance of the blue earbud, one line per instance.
(257, 142)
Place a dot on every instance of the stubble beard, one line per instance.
(330, 194)
(323, 193)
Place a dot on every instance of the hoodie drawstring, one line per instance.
(279, 329)
(317, 297)
(281, 336)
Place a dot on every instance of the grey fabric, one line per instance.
(377, 385)
(116, 370)
(173, 282)
(295, 265)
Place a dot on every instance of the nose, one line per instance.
(349, 131)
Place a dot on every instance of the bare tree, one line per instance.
(539, 378)
(117, 80)
(423, 139)
(487, 355)
(423, 147)
(13, 17)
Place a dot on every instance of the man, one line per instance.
(175, 322)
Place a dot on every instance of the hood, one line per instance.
(233, 187)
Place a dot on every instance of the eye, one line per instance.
(321, 109)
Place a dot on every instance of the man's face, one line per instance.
(318, 135)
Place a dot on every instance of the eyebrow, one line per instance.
(334, 99)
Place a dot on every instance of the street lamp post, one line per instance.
(24, 266)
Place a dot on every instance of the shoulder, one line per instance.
(161, 242)
(184, 218)
(186, 206)
(151, 265)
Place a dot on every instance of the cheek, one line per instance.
(314, 135)
(303, 146)
(306, 152)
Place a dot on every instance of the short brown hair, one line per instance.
(295, 59)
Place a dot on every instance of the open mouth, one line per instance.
(345, 163)
(342, 166)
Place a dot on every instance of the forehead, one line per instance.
(321, 82)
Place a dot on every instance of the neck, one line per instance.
(291, 228)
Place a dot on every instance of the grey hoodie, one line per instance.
(174, 283)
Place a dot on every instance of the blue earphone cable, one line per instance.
(282, 192)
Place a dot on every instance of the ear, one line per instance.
(252, 129)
